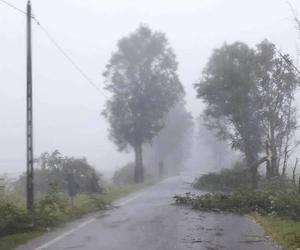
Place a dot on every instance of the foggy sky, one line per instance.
(67, 110)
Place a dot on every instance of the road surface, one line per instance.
(148, 220)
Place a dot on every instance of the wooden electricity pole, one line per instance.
(29, 116)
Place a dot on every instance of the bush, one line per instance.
(281, 183)
(226, 179)
(65, 172)
(13, 218)
(52, 209)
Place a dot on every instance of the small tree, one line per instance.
(141, 76)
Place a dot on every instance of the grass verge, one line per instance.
(83, 204)
(14, 240)
(285, 232)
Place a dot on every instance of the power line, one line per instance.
(288, 61)
(59, 48)
(12, 6)
(62, 51)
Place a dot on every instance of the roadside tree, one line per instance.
(142, 79)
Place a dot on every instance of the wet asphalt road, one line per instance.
(148, 220)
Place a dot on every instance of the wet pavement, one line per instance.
(149, 220)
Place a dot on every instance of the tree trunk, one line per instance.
(254, 181)
(285, 159)
(250, 162)
(284, 164)
(138, 170)
(268, 162)
(287, 139)
(254, 170)
(294, 171)
(251, 156)
(274, 167)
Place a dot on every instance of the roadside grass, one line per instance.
(82, 204)
(14, 240)
(285, 232)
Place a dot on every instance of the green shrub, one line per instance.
(13, 218)
(57, 169)
(284, 184)
(226, 179)
(51, 209)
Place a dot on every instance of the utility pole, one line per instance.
(29, 116)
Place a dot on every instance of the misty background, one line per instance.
(67, 110)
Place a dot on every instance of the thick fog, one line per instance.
(67, 110)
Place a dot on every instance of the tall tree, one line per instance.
(142, 78)
(227, 88)
(249, 95)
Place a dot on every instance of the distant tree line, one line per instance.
(169, 150)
